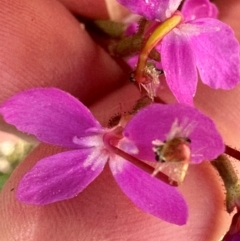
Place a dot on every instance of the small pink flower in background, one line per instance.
(58, 118)
(200, 42)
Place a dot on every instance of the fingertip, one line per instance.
(49, 47)
(103, 212)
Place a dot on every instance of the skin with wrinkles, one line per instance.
(47, 48)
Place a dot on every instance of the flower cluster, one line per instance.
(56, 117)
(182, 39)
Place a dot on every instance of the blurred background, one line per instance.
(13, 150)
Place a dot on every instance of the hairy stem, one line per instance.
(230, 180)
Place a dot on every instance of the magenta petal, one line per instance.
(148, 193)
(152, 9)
(50, 114)
(217, 53)
(193, 9)
(179, 65)
(60, 177)
(132, 61)
(155, 121)
(131, 29)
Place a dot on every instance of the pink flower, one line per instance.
(199, 42)
(58, 118)
(188, 137)
(156, 122)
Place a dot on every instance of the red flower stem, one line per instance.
(142, 165)
(110, 138)
(232, 152)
